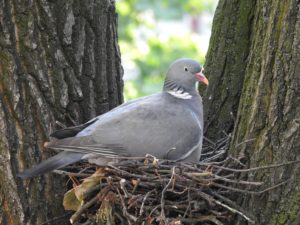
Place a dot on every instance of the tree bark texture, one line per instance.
(253, 66)
(59, 61)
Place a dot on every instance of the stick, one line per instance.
(206, 196)
(125, 212)
(162, 201)
(61, 172)
(143, 203)
(256, 168)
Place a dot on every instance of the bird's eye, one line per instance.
(185, 69)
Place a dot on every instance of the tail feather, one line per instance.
(58, 161)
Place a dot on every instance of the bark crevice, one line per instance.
(50, 54)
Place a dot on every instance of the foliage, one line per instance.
(153, 63)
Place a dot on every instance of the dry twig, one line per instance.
(145, 189)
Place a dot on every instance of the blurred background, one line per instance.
(154, 33)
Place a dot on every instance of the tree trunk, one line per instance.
(59, 61)
(226, 63)
(253, 65)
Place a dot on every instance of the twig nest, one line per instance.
(151, 191)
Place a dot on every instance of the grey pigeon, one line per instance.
(167, 125)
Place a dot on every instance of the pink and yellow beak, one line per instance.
(200, 76)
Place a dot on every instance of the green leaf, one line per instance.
(70, 201)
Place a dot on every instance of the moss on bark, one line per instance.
(267, 104)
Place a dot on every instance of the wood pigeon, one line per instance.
(167, 125)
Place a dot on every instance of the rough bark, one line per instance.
(59, 60)
(226, 64)
(263, 93)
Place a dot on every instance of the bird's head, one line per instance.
(184, 73)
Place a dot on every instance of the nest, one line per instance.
(151, 191)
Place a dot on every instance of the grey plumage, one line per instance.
(168, 125)
(60, 160)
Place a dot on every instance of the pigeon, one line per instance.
(167, 125)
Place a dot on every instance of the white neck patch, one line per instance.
(180, 94)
